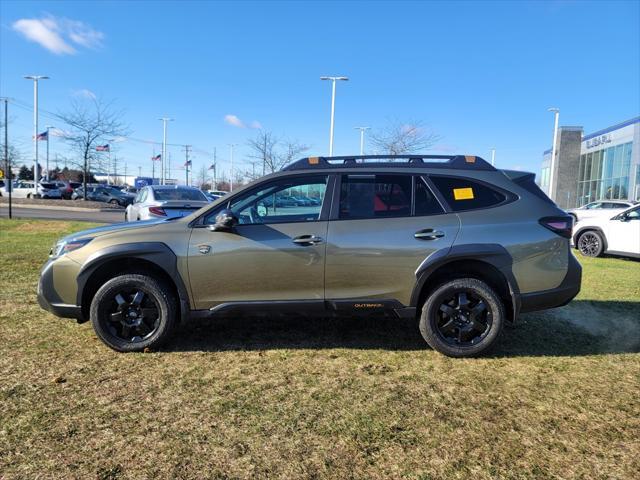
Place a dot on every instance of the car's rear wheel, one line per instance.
(590, 244)
(133, 312)
(462, 318)
(113, 201)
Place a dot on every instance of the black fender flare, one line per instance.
(492, 253)
(157, 253)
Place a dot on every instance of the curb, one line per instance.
(69, 209)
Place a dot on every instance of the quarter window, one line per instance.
(463, 194)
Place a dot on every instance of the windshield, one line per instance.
(179, 194)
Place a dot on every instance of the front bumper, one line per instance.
(49, 299)
(555, 297)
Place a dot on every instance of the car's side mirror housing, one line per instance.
(225, 221)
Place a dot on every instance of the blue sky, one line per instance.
(480, 74)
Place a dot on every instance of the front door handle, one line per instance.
(428, 234)
(307, 240)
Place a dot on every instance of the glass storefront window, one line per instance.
(605, 174)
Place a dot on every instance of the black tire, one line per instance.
(113, 201)
(128, 323)
(462, 318)
(590, 243)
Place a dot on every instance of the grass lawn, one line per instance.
(293, 398)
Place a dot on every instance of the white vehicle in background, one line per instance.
(165, 201)
(48, 190)
(615, 235)
(606, 208)
(20, 189)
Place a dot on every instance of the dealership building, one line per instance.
(598, 166)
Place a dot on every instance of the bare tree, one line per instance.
(401, 138)
(272, 152)
(92, 122)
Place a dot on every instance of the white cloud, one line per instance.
(45, 33)
(85, 93)
(59, 35)
(235, 121)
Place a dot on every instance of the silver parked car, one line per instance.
(165, 201)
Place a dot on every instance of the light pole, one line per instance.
(362, 130)
(164, 148)
(556, 114)
(35, 79)
(231, 145)
(493, 155)
(333, 107)
(46, 176)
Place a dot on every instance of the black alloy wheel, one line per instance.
(133, 312)
(462, 317)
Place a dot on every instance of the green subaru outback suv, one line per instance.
(451, 242)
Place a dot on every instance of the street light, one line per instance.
(35, 79)
(49, 127)
(556, 114)
(231, 145)
(493, 155)
(362, 130)
(333, 106)
(164, 148)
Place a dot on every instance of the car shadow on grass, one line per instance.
(580, 328)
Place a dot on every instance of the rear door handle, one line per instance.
(307, 240)
(428, 234)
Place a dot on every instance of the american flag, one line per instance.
(156, 158)
(212, 167)
(102, 148)
(187, 163)
(43, 136)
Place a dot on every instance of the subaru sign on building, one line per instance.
(598, 166)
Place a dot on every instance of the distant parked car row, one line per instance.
(28, 189)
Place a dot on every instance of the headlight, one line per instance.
(64, 247)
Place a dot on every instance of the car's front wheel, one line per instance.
(591, 244)
(132, 312)
(462, 318)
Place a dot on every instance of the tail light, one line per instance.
(561, 225)
(158, 211)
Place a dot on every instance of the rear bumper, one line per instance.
(49, 300)
(555, 297)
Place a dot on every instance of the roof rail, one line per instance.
(461, 162)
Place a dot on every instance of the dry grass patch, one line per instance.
(296, 398)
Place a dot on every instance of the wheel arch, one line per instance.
(576, 236)
(152, 258)
(490, 263)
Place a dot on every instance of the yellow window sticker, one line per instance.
(463, 193)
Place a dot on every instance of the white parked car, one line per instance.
(617, 235)
(20, 189)
(165, 201)
(606, 208)
(48, 190)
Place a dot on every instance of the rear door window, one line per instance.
(464, 194)
(375, 196)
(425, 201)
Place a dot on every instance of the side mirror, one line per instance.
(225, 221)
